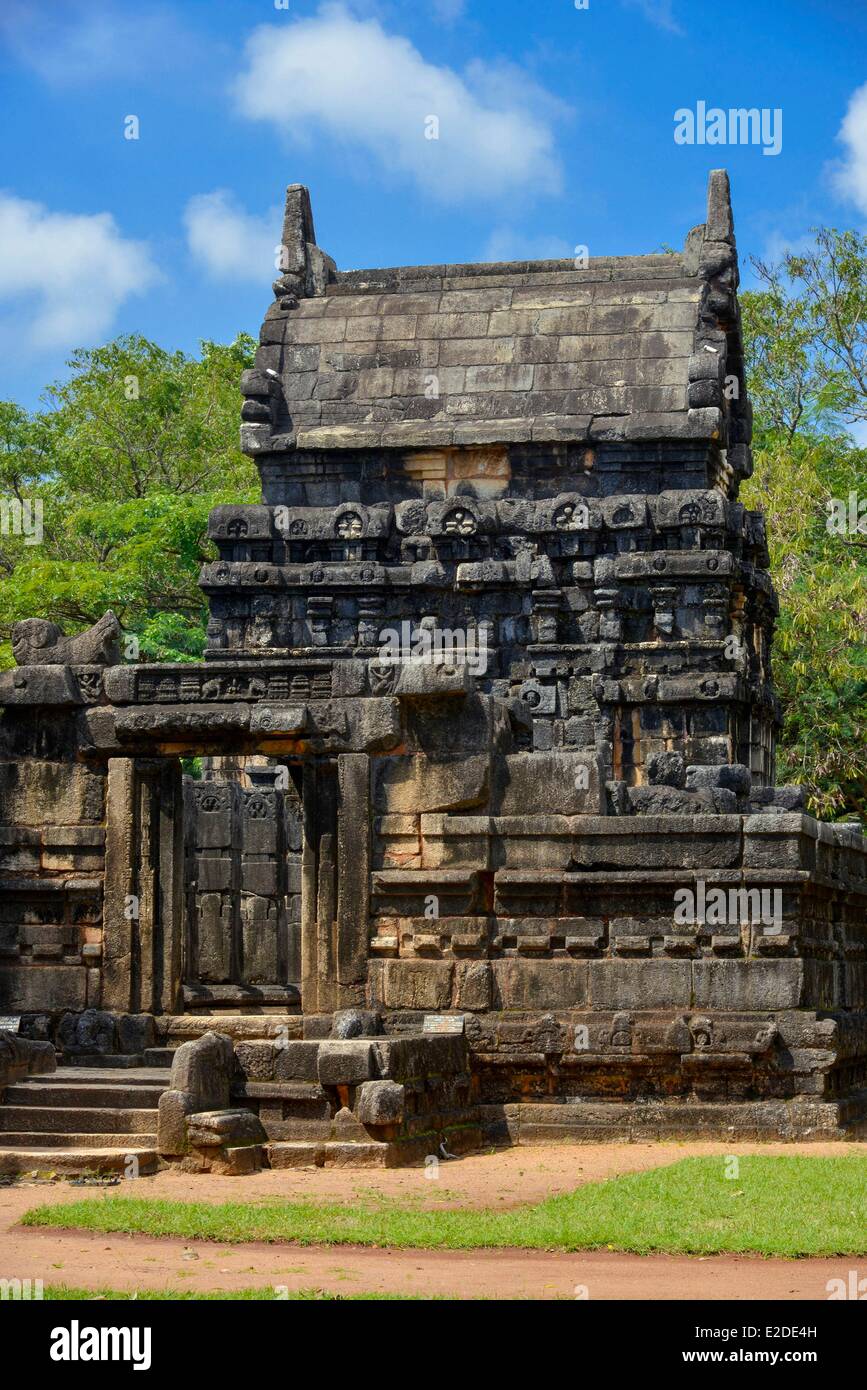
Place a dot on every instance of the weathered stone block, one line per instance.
(379, 1103)
(563, 782)
(355, 1023)
(419, 784)
(639, 984)
(45, 793)
(21, 1057)
(751, 985)
(473, 985)
(224, 1128)
(345, 1063)
(418, 984)
(539, 984)
(203, 1068)
(30, 989)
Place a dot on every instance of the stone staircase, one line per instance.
(83, 1119)
(362, 1101)
(97, 1112)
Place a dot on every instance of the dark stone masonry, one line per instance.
(487, 846)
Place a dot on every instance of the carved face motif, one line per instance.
(237, 528)
(350, 526)
(460, 522)
(572, 516)
(690, 515)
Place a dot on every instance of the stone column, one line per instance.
(319, 889)
(353, 877)
(118, 902)
(168, 961)
(143, 901)
(309, 988)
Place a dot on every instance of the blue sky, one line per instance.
(556, 130)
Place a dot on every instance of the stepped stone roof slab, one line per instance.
(450, 355)
(515, 347)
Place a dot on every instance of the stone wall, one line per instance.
(52, 847)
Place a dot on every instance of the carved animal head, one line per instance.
(33, 641)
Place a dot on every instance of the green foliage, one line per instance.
(820, 656)
(136, 448)
(806, 354)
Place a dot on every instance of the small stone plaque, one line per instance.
(443, 1023)
(9, 1023)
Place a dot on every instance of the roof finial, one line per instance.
(305, 267)
(720, 223)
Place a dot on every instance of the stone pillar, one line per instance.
(143, 903)
(353, 877)
(168, 963)
(319, 889)
(120, 857)
(309, 988)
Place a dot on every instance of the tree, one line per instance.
(806, 354)
(136, 448)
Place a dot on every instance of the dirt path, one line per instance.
(507, 1177)
(85, 1260)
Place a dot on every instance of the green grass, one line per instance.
(777, 1206)
(64, 1293)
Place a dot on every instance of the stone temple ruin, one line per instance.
(486, 700)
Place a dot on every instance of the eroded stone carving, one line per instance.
(36, 642)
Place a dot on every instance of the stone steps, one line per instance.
(80, 1119)
(99, 1075)
(137, 1096)
(105, 1062)
(86, 1139)
(75, 1160)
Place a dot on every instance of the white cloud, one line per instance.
(505, 244)
(63, 276)
(229, 243)
(91, 40)
(850, 175)
(369, 90)
(659, 12)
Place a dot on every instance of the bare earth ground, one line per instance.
(504, 1178)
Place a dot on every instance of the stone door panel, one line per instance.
(242, 856)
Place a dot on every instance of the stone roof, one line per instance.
(628, 348)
